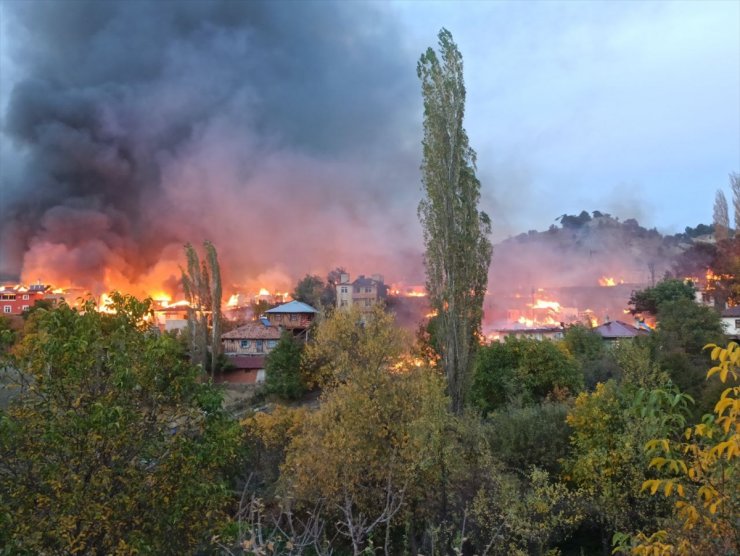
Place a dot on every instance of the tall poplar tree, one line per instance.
(201, 282)
(458, 251)
(721, 217)
(735, 186)
(214, 269)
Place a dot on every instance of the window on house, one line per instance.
(25, 297)
(271, 343)
(737, 323)
(8, 297)
(7, 309)
(278, 318)
(344, 289)
(368, 302)
(245, 344)
(294, 316)
(25, 308)
(259, 345)
(368, 290)
(343, 303)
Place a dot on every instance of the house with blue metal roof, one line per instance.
(295, 316)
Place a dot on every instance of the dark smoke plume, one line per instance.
(279, 130)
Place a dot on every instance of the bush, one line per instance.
(536, 435)
(283, 369)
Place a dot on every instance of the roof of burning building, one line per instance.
(618, 329)
(253, 331)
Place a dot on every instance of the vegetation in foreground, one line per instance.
(115, 443)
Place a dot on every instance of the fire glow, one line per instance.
(608, 282)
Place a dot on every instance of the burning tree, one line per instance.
(458, 251)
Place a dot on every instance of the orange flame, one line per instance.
(542, 304)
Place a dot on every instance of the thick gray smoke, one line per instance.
(279, 130)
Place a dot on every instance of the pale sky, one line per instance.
(628, 107)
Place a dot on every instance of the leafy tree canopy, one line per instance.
(309, 290)
(346, 344)
(283, 369)
(113, 445)
(457, 249)
(319, 293)
(699, 474)
(575, 222)
(524, 369)
(670, 289)
(678, 344)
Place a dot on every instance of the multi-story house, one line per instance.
(253, 338)
(363, 293)
(294, 316)
(16, 299)
(246, 349)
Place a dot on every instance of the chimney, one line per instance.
(344, 278)
(377, 278)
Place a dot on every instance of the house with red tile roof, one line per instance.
(254, 338)
(246, 349)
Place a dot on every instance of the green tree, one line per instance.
(458, 251)
(113, 445)
(46, 304)
(283, 369)
(534, 435)
(607, 461)
(637, 365)
(310, 290)
(699, 471)
(670, 289)
(7, 335)
(684, 328)
(596, 362)
(523, 369)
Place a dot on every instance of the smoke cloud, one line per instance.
(286, 133)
